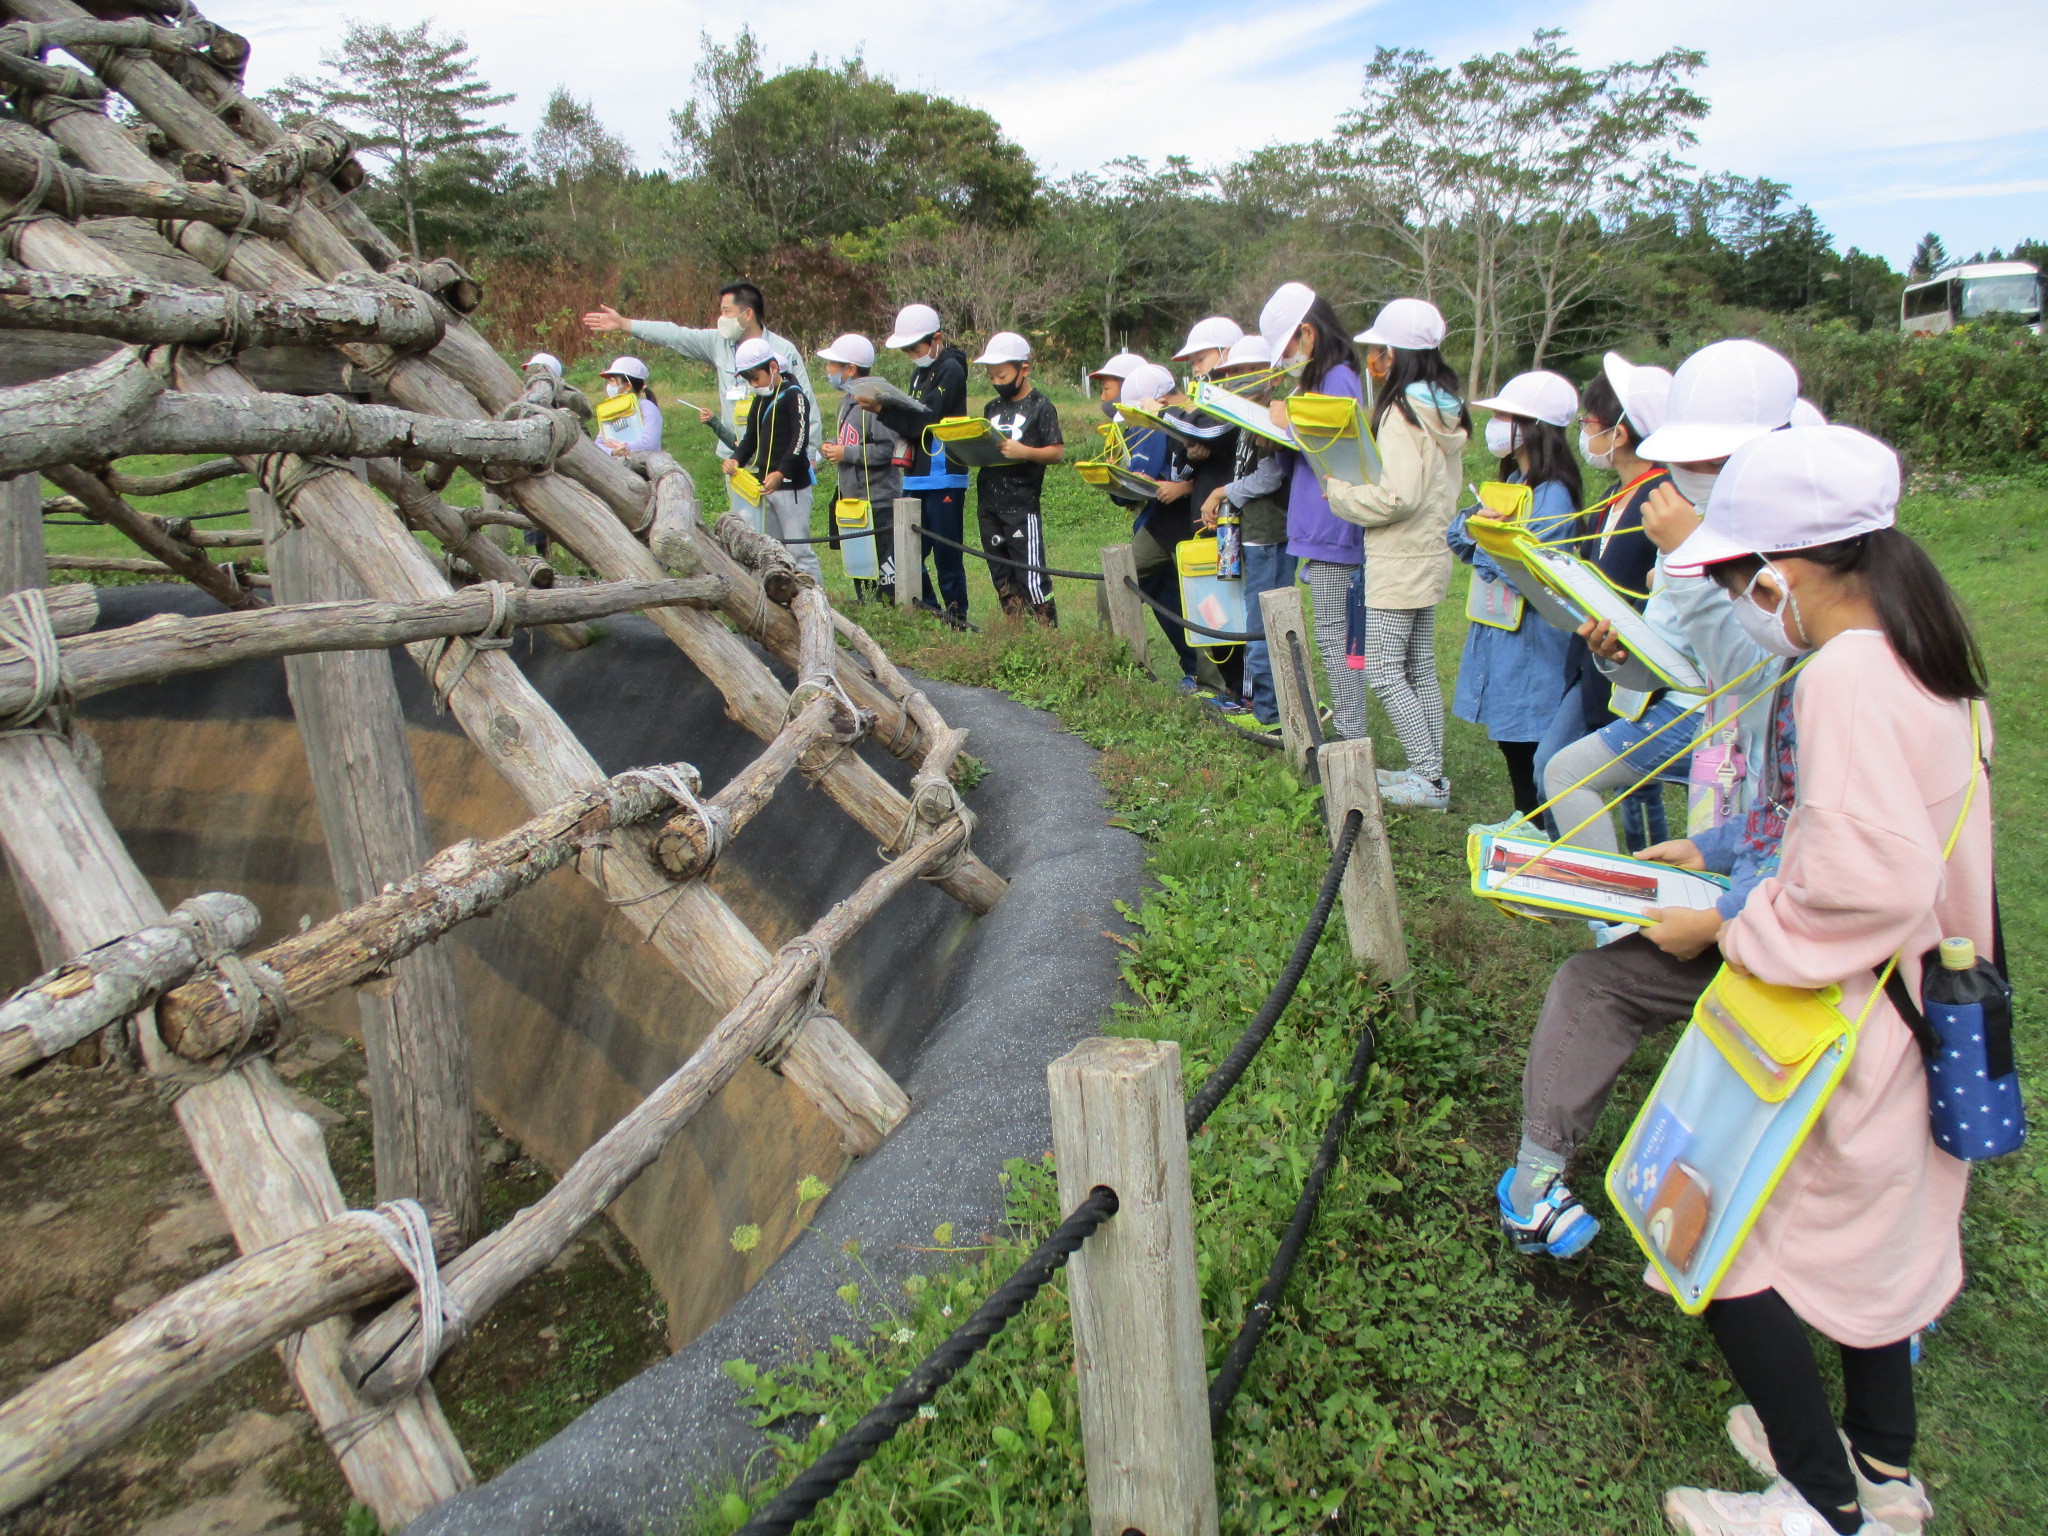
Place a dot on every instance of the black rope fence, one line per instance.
(878, 1426)
(1015, 565)
(818, 1481)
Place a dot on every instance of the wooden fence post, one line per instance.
(1372, 907)
(909, 551)
(1117, 1119)
(1286, 628)
(1126, 611)
(422, 1103)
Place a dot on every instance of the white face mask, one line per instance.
(836, 380)
(1766, 626)
(764, 390)
(730, 327)
(1500, 437)
(1595, 460)
(614, 387)
(926, 361)
(1295, 366)
(1693, 484)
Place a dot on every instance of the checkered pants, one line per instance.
(1400, 669)
(1327, 584)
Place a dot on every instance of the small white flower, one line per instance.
(945, 1311)
(927, 1411)
(824, 1421)
(903, 1335)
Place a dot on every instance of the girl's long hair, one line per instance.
(1332, 345)
(1922, 621)
(1424, 365)
(1550, 457)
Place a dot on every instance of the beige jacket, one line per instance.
(1405, 516)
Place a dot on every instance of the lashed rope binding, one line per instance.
(496, 635)
(671, 781)
(25, 631)
(406, 1231)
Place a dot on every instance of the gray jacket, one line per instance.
(707, 346)
(868, 471)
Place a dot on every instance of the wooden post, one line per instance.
(422, 1102)
(1126, 610)
(21, 529)
(1372, 907)
(1117, 1119)
(1287, 652)
(909, 551)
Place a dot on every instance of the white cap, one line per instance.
(1721, 397)
(752, 353)
(1806, 414)
(546, 360)
(628, 368)
(1005, 347)
(1543, 396)
(1643, 391)
(1149, 381)
(853, 350)
(1118, 367)
(1793, 490)
(1252, 350)
(914, 322)
(1283, 315)
(1414, 324)
(1217, 333)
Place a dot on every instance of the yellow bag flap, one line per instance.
(1771, 1035)
(853, 515)
(617, 407)
(748, 484)
(1511, 501)
(1196, 556)
(958, 429)
(1503, 541)
(1094, 472)
(1325, 416)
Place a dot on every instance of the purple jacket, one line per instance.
(1314, 532)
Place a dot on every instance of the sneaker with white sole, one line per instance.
(1778, 1511)
(1556, 1224)
(1903, 1506)
(1415, 793)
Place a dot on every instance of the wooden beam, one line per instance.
(164, 1356)
(1118, 1119)
(137, 309)
(99, 502)
(73, 194)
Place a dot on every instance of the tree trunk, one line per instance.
(82, 194)
(139, 310)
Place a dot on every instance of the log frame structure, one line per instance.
(298, 265)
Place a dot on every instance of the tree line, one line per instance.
(1543, 202)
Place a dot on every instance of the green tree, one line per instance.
(571, 147)
(1929, 257)
(410, 97)
(809, 155)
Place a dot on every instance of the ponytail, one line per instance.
(1923, 623)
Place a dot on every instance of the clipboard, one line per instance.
(1248, 415)
(874, 387)
(970, 440)
(1333, 432)
(1182, 432)
(1528, 873)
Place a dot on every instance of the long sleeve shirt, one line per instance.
(779, 429)
(867, 468)
(941, 388)
(636, 434)
(707, 346)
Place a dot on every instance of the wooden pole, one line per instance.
(374, 819)
(1118, 1119)
(909, 551)
(1286, 627)
(21, 537)
(1372, 906)
(194, 1336)
(266, 1160)
(1126, 611)
(98, 501)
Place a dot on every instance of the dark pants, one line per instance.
(1017, 533)
(1159, 579)
(944, 513)
(1600, 1005)
(1772, 1361)
(1266, 568)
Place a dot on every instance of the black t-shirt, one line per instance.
(1627, 560)
(1033, 421)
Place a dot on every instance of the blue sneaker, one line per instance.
(1558, 1225)
(1187, 685)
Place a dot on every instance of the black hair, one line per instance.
(644, 388)
(1600, 402)
(1420, 365)
(747, 296)
(1332, 344)
(1550, 457)
(1922, 621)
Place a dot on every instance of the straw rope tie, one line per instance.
(496, 635)
(774, 1047)
(672, 781)
(25, 631)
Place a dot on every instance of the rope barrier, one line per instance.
(1223, 1390)
(1015, 565)
(1227, 1071)
(875, 1429)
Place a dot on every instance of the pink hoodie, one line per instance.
(1863, 1236)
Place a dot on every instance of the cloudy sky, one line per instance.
(1891, 119)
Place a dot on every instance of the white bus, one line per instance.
(1969, 292)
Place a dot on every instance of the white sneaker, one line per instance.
(1777, 1511)
(1905, 1507)
(1415, 793)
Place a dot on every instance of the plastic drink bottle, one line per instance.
(1229, 546)
(1973, 1086)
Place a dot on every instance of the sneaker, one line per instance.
(1415, 793)
(1223, 706)
(1557, 1225)
(1187, 685)
(1777, 1511)
(1390, 776)
(1251, 722)
(1904, 1506)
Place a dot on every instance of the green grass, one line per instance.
(1421, 1379)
